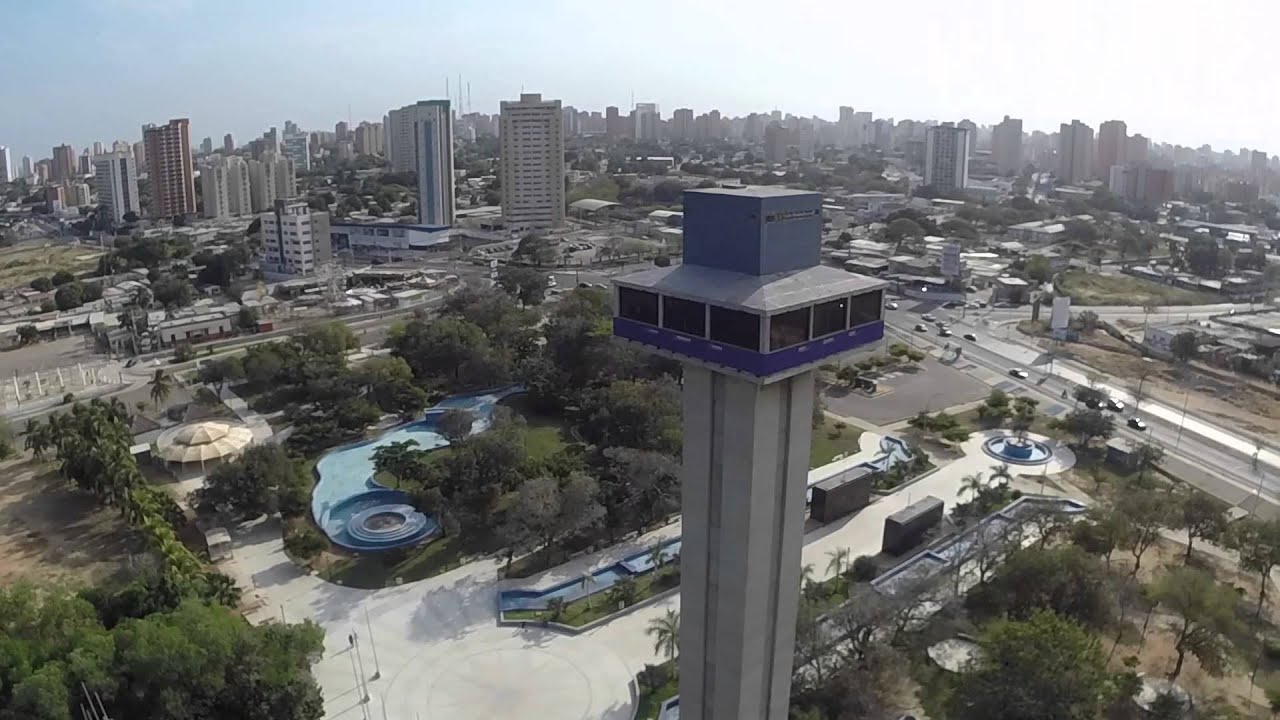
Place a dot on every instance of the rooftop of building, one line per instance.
(760, 191)
(761, 293)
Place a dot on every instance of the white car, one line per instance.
(1019, 373)
(891, 306)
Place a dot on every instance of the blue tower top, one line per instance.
(751, 297)
(753, 230)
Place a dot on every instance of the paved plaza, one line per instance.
(442, 656)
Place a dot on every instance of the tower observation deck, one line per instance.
(750, 313)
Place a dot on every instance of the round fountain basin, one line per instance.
(1018, 451)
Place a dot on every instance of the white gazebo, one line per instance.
(203, 442)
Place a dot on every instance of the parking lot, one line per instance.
(933, 386)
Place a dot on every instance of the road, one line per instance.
(1195, 441)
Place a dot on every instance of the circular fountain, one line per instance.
(1017, 451)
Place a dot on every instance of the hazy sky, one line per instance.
(1180, 71)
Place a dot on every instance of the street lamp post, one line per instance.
(364, 685)
(1183, 420)
(377, 668)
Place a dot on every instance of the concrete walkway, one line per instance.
(442, 655)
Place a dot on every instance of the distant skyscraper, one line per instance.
(97, 148)
(613, 125)
(946, 157)
(271, 178)
(1075, 152)
(140, 156)
(1006, 146)
(532, 149)
(213, 188)
(172, 176)
(1112, 137)
(1136, 149)
(777, 139)
(85, 165)
(290, 127)
(367, 140)
(682, 124)
(115, 178)
(228, 143)
(6, 165)
(28, 170)
(972, 128)
(297, 147)
(63, 166)
(645, 119)
(206, 145)
(422, 141)
(1257, 163)
(569, 121)
(341, 131)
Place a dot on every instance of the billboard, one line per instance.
(1061, 317)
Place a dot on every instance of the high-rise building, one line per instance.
(367, 139)
(682, 124)
(1258, 163)
(295, 239)
(170, 168)
(421, 140)
(6, 165)
(297, 147)
(777, 139)
(532, 150)
(28, 170)
(213, 188)
(206, 145)
(341, 130)
(43, 171)
(946, 158)
(1112, 138)
(569, 121)
(97, 148)
(115, 178)
(271, 178)
(1006, 146)
(78, 194)
(120, 146)
(239, 186)
(972, 128)
(63, 166)
(84, 166)
(55, 197)
(228, 143)
(645, 120)
(291, 127)
(613, 126)
(751, 313)
(1075, 152)
(140, 156)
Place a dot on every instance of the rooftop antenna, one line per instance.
(468, 96)
(446, 86)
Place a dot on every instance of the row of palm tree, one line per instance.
(92, 445)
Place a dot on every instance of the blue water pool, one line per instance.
(601, 580)
(358, 513)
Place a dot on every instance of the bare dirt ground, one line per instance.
(49, 532)
(1253, 412)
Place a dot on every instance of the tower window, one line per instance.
(866, 308)
(638, 305)
(829, 317)
(735, 327)
(788, 328)
(684, 316)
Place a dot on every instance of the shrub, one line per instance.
(840, 425)
(305, 543)
(1271, 648)
(68, 398)
(655, 676)
(864, 569)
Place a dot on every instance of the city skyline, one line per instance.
(946, 77)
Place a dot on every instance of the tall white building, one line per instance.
(532, 149)
(28, 170)
(6, 165)
(295, 239)
(1075, 152)
(271, 178)
(226, 187)
(420, 138)
(298, 149)
(946, 157)
(1006, 146)
(239, 187)
(646, 119)
(115, 179)
(140, 156)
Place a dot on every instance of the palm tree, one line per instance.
(1001, 471)
(555, 608)
(657, 555)
(839, 561)
(161, 386)
(972, 483)
(665, 632)
(586, 580)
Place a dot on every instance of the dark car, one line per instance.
(921, 327)
(1137, 423)
(944, 332)
(1019, 373)
(970, 337)
(928, 317)
(1114, 405)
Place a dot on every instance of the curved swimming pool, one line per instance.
(360, 514)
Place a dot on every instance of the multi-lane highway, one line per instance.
(1213, 448)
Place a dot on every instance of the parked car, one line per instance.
(971, 337)
(891, 305)
(921, 327)
(928, 317)
(1019, 373)
(1137, 423)
(1114, 405)
(944, 332)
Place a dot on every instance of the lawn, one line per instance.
(1093, 289)
(833, 438)
(372, 571)
(599, 604)
(650, 703)
(544, 434)
(24, 263)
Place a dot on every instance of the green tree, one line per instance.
(69, 296)
(220, 371)
(526, 284)
(1258, 542)
(665, 632)
(1087, 425)
(388, 383)
(641, 414)
(265, 479)
(1201, 516)
(544, 511)
(1184, 346)
(1206, 612)
(1064, 580)
(1045, 667)
(27, 335)
(1144, 515)
(42, 284)
(455, 424)
(62, 277)
(161, 387)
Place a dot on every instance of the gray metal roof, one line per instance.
(767, 293)
(754, 191)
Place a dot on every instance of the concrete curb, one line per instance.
(572, 630)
